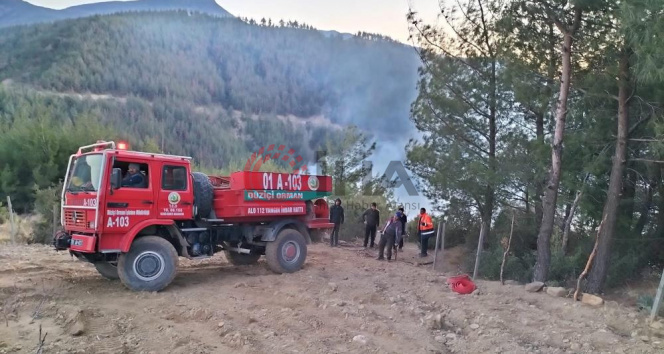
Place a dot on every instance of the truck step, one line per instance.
(192, 229)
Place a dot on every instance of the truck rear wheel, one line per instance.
(150, 264)
(203, 194)
(107, 270)
(287, 253)
(241, 258)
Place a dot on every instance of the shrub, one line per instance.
(623, 267)
(45, 200)
(645, 302)
(4, 214)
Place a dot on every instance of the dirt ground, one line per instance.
(343, 301)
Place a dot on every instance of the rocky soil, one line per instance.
(343, 301)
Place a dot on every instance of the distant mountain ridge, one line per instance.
(18, 12)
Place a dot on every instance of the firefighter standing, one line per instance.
(425, 227)
(371, 220)
(337, 218)
(404, 221)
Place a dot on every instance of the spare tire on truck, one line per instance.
(203, 194)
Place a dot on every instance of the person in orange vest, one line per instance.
(425, 228)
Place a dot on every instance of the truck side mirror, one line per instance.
(116, 179)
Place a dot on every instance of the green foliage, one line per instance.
(453, 110)
(644, 29)
(4, 213)
(564, 269)
(35, 146)
(169, 66)
(645, 303)
(354, 206)
(343, 160)
(516, 268)
(45, 200)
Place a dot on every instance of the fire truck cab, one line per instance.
(133, 214)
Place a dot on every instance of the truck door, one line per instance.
(175, 196)
(130, 204)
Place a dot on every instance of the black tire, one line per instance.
(203, 194)
(150, 264)
(107, 270)
(279, 253)
(241, 258)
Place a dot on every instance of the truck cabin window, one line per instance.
(174, 178)
(134, 175)
(85, 174)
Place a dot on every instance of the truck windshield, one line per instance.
(86, 173)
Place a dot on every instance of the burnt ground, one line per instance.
(343, 301)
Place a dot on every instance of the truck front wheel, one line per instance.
(287, 253)
(107, 270)
(150, 264)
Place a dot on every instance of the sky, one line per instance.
(387, 17)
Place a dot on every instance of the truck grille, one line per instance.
(75, 218)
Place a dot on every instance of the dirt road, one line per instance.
(343, 301)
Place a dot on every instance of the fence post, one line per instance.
(658, 299)
(440, 248)
(479, 251)
(55, 219)
(435, 250)
(11, 220)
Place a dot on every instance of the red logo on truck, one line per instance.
(275, 152)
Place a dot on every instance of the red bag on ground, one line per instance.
(461, 284)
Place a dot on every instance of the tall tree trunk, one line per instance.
(568, 220)
(600, 269)
(551, 193)
(487, 215)
(568, 209)
(539, 125)
(490, 191)
(539, 183)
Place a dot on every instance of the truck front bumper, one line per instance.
(74, 242)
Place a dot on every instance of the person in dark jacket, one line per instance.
(404, 221)
(134, 177)
(337, 218)
(371, 220)
(390, 236)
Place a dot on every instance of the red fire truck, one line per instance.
(132, 214)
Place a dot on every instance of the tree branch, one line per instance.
(550, 13)
(485, 30)
(636, 126)
(445, 51)
(456, 133)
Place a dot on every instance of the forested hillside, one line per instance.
(215, 89)
(263, 69)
